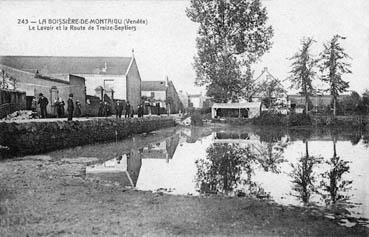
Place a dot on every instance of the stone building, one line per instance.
(117, 77)
(164, 93)
(52, 88)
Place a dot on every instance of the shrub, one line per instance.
(266, 118)
(299, 120)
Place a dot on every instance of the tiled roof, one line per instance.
(68, 65)
(153, 86)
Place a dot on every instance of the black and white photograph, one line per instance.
(184, 118)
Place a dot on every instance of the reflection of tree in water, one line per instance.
(226, 167)
(303, 176)
(270, 155)
(333, 187)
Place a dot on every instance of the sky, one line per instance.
(166, 45)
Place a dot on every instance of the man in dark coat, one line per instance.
(128, 110)
(78, 111)
(158, 108)
(118, 109)
(70, 108)
(43, 101)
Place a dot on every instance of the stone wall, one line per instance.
(37, 137)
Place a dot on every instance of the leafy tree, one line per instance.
(363, 107)
(333, 65)
(351, 103)
(232, 34)
(271, 88)
(303, 70)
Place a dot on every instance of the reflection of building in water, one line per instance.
(161, 150)
(234, 137)
(124, 169)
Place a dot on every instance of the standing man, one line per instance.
(78, 109)
(70, 108)
(118, 109)
(43, 101)
(128, 110)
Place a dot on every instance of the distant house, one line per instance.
(236, 110)
(164, 93)
(51, 87)
(318, 102)
(196, 101)
(261, 93)
(118, 77)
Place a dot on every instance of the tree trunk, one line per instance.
(334, 107)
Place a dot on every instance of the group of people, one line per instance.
(125, 108)
(74, 109)
(59, 104)
(121, 107)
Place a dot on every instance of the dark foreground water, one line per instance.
(325, 170)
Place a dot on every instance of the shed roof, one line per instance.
(236, 105)
(69, 65)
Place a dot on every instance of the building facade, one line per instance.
(164, 93)
(52, 88)
(118, 77)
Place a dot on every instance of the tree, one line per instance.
(350, 104)
(232, 34)
(333, 65)
(7, 81)
(303, 70)
(271, 88)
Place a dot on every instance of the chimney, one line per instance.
(265, 69)
(133, 52)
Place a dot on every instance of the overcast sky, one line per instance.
(166, 46)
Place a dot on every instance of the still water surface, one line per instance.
(315, 168)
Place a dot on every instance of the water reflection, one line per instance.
(303, 176)
(300, 167)
(227, 168)
(334, 186)
(125, 169)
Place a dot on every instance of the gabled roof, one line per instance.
(69, 65)
(153, 86)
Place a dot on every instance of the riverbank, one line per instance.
(50, 194)
(41, 197)
(24, 138)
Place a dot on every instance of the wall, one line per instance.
(11, 101)
(33, 86)
(37, 137)
(78, 89)
(172, 95)
(134, 86)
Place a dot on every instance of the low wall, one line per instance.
(37, 137)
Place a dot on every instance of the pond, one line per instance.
(321, 169)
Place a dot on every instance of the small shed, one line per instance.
(236, 110)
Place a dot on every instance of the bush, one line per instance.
(299, 120)
(266, 118)
(274, 119)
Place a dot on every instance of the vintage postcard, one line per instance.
(184, 118)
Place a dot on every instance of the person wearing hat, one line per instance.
(70, 108)
(43, 101)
